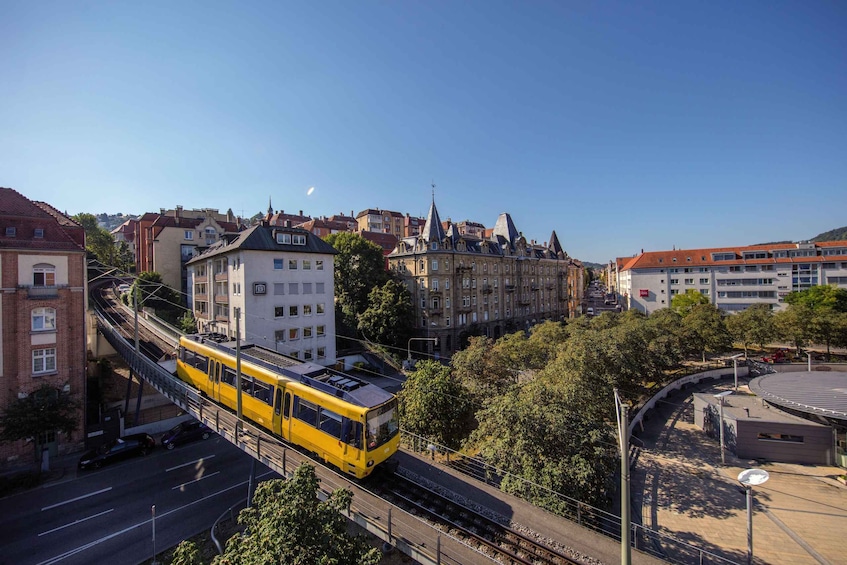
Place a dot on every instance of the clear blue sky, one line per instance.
(620, 125)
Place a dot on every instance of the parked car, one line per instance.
(123, 288)
(190, 430)
(117, 450)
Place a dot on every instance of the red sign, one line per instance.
(643, 293)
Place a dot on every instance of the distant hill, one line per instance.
(838, 234)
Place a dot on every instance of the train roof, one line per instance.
(340, 385)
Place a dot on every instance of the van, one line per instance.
(590, 311)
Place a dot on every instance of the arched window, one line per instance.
(43, 319)
(43, 274)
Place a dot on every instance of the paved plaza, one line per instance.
(800, 513)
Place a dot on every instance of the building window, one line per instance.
(283, 238)
(278, 264)
(279, 335)
(320, 308)
(293, 288)
(44, 275)
(435, 285)
(307, 265)
(279, 289)
(321, 352)
(38, 233)
(423, 301)
(10, 232)
(704, 281)
(447, 302)
(321, 330)
(43, 319)
(779, 437)
(307, 354)
(279, 312)
(689, 281)
(293, 311)
(435, 264)
(292, 264)
(44, 361)
(307, 332)
(189, 235)
(293, 334)
(307, 309)
(319, 264)
(319, 288)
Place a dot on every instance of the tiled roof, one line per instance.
(703, 257)
(61, 233)
(261, 238)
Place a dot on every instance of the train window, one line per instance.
(306, 411)
(228, 376)
(286, 409)
(261, 391)
(330, 422)
(278, 401)
(211, 369)
(351, 433)
(247, 384)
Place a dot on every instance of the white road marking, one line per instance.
(75, 499)
(75, 522)
(195, 480)
(202, 459)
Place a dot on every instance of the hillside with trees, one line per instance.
(838, 234)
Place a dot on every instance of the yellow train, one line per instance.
(348, 423)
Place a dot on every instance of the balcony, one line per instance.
(510, 288)
(221, 277)
(42, 292)
(435, 311)
(203, 279)
(200, 315)
(487, 289)
(221, 299)
(201, 297)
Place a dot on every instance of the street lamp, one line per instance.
(735, 368)
(409, 346)
(749, 478)
(623, 437)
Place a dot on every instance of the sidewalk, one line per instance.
(683, 491)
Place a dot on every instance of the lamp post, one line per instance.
(749, 478)
(735, 368)
(409, 345)
(623, 437)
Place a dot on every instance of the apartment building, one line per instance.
(166, 241)
(42, 313)
(463, 285)
(734, 278)
(381, 221)
(278, 281)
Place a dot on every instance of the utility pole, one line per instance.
(623, 436)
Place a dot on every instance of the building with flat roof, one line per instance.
(733, 278)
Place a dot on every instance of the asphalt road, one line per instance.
(105, 516)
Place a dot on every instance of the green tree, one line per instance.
(706, 323)
(151, 292)
(186, 553)
(46, 409)
(389, 316)
(795, 325)
(752, 325)
(825, 303)
(98, 241)
(288, 523)
(480, 369)
(543, 434)
(124, 259)
(683, 303)
(187, 323)
(435, 405)
(359, 267)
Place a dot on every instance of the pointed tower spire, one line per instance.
(555, 246)
(270, 208)
(433, 230)
(506, 229)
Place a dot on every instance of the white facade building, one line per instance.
(734, 278)
(280, 283)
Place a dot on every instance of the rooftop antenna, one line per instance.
(433, 191)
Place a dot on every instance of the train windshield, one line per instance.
(382, 425)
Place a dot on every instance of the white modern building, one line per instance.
(733, 278)
(278, 282)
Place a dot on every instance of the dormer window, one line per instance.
(38, 233)
(11, 232)
(299, 239)
(433, 245)
(283, 238)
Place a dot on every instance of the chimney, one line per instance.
(177, 211)
(287, 223)
(301, 213)
(161, 211)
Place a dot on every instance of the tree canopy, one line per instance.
(389, 315)
(435, 405)
(98, 241)
(754, 325)
(288, 523)
(683, 303)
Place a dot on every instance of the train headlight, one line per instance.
(371, 463)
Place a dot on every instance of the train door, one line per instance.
(214, 379)
(277, 418)
(286, 416)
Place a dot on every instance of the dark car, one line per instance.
(184, 432)
(117, 450)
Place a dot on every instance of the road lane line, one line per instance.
(75, 522)
(80, 549)
(77, 498)
(195, 480)
(202, 459)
